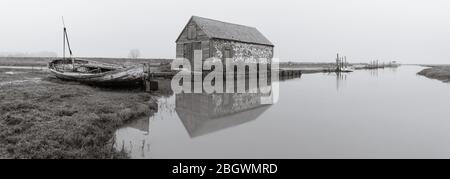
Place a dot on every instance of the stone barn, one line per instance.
(212, 38)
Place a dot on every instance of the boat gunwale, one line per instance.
(79, 76)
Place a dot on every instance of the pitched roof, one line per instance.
(228, 31)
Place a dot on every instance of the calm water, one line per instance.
(366, 114)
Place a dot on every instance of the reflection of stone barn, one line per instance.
(205, 113)
(222, 40)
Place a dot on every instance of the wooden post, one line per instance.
(150, 85)
(64, 43)
(337, 62)
(147, 85)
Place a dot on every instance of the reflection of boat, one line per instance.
(95, 72)
(206, 113)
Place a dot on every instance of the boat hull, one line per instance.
(110, 76)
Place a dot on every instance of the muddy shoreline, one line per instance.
(50, 118)
(441, 73)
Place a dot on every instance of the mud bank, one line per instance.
(441, 73)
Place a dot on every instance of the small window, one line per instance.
(227, 53)
(192, 32)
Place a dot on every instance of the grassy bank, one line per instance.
(49, 118)
(441, 73)
(24, 61)
(43, 61)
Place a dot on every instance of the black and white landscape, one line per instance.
(345, 79)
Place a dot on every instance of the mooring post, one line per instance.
(147, 85)
(151, 85)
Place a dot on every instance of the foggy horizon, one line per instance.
(411, 31)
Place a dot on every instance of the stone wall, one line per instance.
(240, 51)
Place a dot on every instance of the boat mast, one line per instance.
(338, 63)
(64, 42)
(66, 37)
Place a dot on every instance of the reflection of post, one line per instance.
(273, 87)
(337, 81)
(340, 80)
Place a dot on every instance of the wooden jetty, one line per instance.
(376, 64)
(285, 74)
(153, 76)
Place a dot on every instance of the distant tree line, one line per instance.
(32, 54)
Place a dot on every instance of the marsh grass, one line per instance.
(56, 119)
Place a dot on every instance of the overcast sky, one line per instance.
(412, 31)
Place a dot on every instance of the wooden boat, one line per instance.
(92, 72)
(346, 69)
(96, 73)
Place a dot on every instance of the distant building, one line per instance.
(222, 40)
